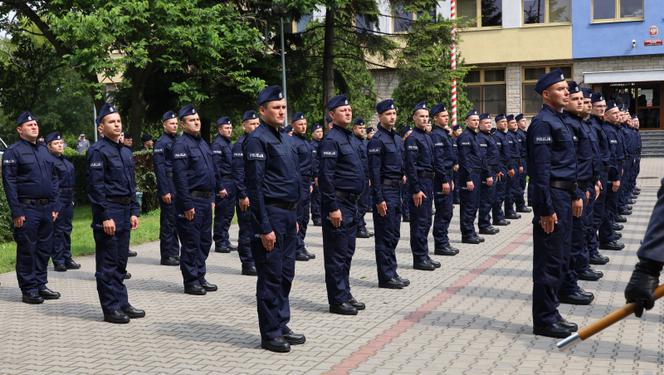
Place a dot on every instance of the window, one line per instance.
(362, 24)
(482, 13)
(485, 88)
(402, 20)
(546, 11)
(531, 101)
(617, 10)
(302, 23)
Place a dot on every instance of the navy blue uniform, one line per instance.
(315, 192)
(470, 169)
(31, 186)
(195, 184)
(385, 154)
(522, 135)
(363, 204)
(224, 207)
(306, 165)
(513, 184)
(602, 230)
(489, 148)
(245, 232)
(445, 157)
(504, 164)
(112, 194)
(552, 160)
(628, 165)
(162, 158)
(63, 224)
(341, 180)
(652, 246)
(617, 156)
(519, 178)
(273, 186)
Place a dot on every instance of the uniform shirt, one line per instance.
(66, 177)
(193, 169)
(584, 148)
(489, 150)
(598, 165)
(652, 246)
(504, 151)
(237, 166)
(110, 174)
(361, 145)
(222, 155)
(162, 159)
(523, 148)
(470, 159)
(314, 161)
(304, 154)
(444, 156)
(271, 172)
(515, 156)
(340, 166)
(385, 154)
(28, 171)
(617, 154)
(419, 158)
(551, 156)
(603, 142)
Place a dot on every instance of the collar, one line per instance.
(381, 128)
(340, 128)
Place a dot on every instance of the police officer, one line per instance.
(225, 200)
(115, 211)
(31, 186)
(489, 152)
(148, 142)
(457, 130)
(513, 185)
(359, 132)
(62, 260)
(385, 154)
(162, 159)
(306, 158)
(273, 185)
(250, 122)
(521, 133)
(195, 186)
(341, 180)
(316, 138)
(505, 168)
(520, 142)
(419, 169)
(552, 161)
(369, 132)
(444, 160)
(611, 127)
(405, 132)
(470, 162)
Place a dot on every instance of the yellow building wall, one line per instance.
(536, 43)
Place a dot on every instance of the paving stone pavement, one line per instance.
(473, 316)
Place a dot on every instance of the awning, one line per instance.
(623, 76)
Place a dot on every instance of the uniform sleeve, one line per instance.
(315, 162)
(614, 169)
(254, 168)
(218, 162)
(135, 208)
(238, 171)
(539, 157)
(96, 186)
(56, 181)
(492, 157)
(159, 163)
(440, 158)
(653, 242)
(9, 172)
(181, 159)
(464, 148)
(374, 157)
(328, 153)
(412, 153)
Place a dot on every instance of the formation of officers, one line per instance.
(580, 152)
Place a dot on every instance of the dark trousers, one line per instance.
(442, 218)
(245, 235)
(62, 232)
(420, 222)
(588, 227)
(276, 270)
(223, 215)
(111, 259)
(303, 213)
(456, 193)
(499, 198)
(169, 244)
(34, 247)
(469, 205)
(315, 204)
(487, 199)
(550, 259)
(602, 231)
(510, 182)
(405, 206)
(363, 206)
(517, 189)
(388, 231)
(196, 240)
(338, 248)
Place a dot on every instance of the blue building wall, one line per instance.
(614, 39)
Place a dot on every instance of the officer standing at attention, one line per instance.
(385, 154)
(306, 158)
(31, 187)
(115, 211)
(444, 160)
(504, 170)
(489, 152)
(62, 260)
(195, 184)
(419, 166)
(552, 160)
(470, 162)
(148, 142)
(522, 134)
(513, 190)
(250, 122)
(273, 185)
(405, 132)
(359, 132)
(611, 128)
(520, 143)
(316, 138)
(222, 155)
(162, 159)
(341, 179)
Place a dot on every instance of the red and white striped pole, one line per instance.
(453, 57)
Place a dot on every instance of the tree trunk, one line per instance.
(328, 57)
(138, 80)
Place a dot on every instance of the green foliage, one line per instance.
(6, 225)
(146, 180)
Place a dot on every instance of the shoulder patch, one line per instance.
(329, 154)
(613, 141)
(9, 161)
(180, 155)
(483, 145)
(455, 145)
(238, 155)
(499, 143)
(256, 156)
(158, 150)
(374, 150)
(543, 140)
(218, 152)
(465, 143)
(413, 148)
(95, 165)
(438, 144)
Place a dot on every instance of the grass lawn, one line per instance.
(82, 242)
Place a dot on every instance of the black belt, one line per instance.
(389, 182)
(425, 174)
(119, 199)
(200, 193)
(583, 185)
(562, 184)
(35, 201)
(347, 195)
(280, 204)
